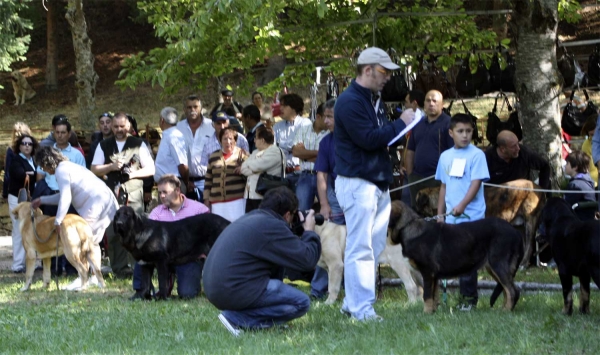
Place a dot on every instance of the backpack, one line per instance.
(495, 125)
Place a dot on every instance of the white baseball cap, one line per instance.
(374, 55)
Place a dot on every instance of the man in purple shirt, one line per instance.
(175, 206)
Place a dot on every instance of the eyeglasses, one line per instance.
(384, 71)
(27, 144)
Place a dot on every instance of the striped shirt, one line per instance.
(213, 145)
(221, 183)
(307, 136)
(188, 208)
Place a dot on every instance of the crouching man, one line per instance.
(242, 271)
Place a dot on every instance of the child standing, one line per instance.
(462, 169)
(577, 169)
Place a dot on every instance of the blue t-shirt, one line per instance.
(475, 168)
(428, 140)
(326, 156)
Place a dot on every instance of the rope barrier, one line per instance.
(412, 183)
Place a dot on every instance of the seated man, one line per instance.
(175, 206)
(242, 268)
(508, 160)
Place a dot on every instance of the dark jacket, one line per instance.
(248, 252)
(17, 172)
(10, 155)
(131, 148)
(581, 182)
(361, 137)
(518, 168)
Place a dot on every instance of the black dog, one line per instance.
(443, 251)
(165, 244)
(576, 250)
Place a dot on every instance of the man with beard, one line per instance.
(122, 161)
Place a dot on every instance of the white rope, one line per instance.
(412, 183)
(504, 187)
(540, 190)
(313, 101)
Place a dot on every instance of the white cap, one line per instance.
(374, 55)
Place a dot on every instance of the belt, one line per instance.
(196, 178)
(311, 172)
(54, 192)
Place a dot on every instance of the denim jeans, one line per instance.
(320, 281)
(279, 303)
(306, 190)
(367, 211)
(188, 278)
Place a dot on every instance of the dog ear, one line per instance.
(395, 213)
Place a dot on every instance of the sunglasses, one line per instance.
(383, 71)
(106, 114)
(27, 144)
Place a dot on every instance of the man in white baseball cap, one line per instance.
(361, 136)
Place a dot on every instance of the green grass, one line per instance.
(104, 322)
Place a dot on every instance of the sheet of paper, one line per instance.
(418, 116)
(458, 167)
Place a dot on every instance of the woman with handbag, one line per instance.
(224, 184)
(266, 158)
(21, 172)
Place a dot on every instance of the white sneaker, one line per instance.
(73, 286)
(233, 330)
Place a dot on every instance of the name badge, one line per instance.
(458, 167)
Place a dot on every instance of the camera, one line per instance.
(297, 226)
(126, 168)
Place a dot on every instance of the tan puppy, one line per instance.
(76, 242)
(516, 206)
(21, 87)
(333, 245)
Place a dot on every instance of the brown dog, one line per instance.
(516, 205)
(333, 245)
(21, 88)
(76, 242)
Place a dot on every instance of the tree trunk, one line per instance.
(536, 78)
(86, 77)
(52, 46)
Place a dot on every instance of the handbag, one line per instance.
(572, 119)
(267, 182)
(23, 195)
(495, 125)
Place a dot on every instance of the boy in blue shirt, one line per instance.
(462, 169)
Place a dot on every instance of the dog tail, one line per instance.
(497, 291)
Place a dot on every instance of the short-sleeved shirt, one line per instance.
(74, 156)
(172, 152)
(311, 139)
(195, 143)
(285, 131)
(326, 156)
(429, 140)
(456, 187)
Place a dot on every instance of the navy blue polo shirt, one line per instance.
(429, 140)
(326, 156)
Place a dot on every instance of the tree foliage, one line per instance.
(211, 38)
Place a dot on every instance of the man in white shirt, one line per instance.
(172, 155)
(292, 106)
(197, 130)
(122, 161)
(306, 147)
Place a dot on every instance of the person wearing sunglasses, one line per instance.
(364, 174)
(21, 167)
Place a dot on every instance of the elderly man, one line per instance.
(364, 174)
(509, 160)
(220, 122)
(172, 155)
(122, 161)
(197, 130)
(429, 138)
(174, 207)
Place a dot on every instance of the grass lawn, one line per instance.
(94, 321)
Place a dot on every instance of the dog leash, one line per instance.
(37, 237)
(412, 183)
